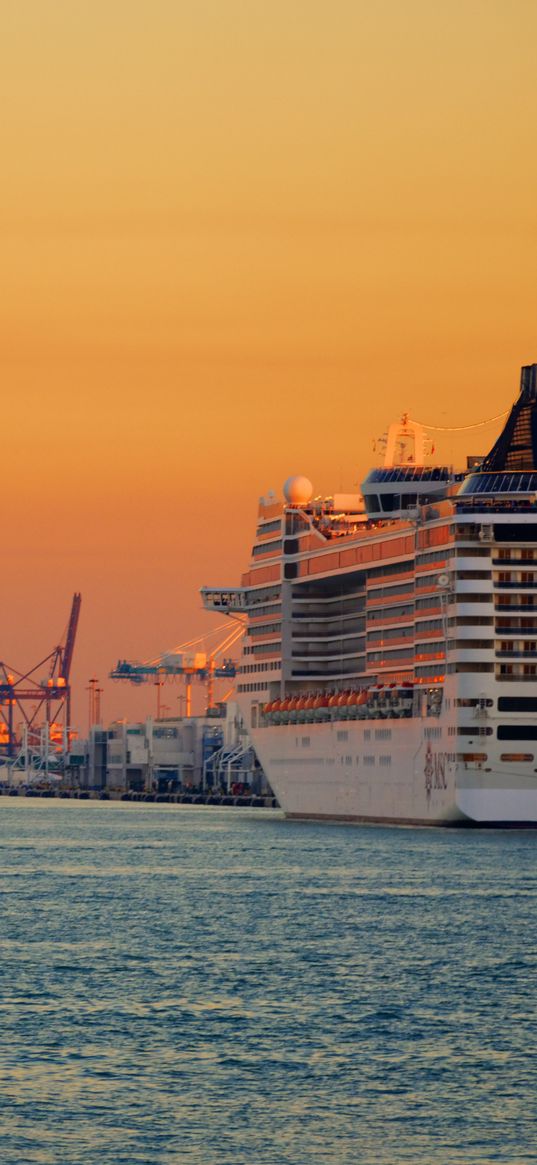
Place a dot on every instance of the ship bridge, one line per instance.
(404, 482)
(229, 600)
(394, 491)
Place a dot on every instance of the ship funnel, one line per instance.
(516, 447)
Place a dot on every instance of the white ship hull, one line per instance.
(389, 665)
(412, 780)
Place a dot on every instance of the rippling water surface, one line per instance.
(194, 985)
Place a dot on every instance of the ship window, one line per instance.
(267, 548)
(478, 730)
(517, 704)
(517, 732)
(474, 702)
(385, 613)
(390, 502)
(372, 502)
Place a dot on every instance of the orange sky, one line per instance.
(237, 238)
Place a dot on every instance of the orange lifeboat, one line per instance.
(342, 705)
(362, 700)
(332, 705)
(292, 707)
(310, 707)
(319, 705)
(351, 705)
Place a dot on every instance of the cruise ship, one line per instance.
(389, 662)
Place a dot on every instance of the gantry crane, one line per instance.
(183, 661)
(51, 695)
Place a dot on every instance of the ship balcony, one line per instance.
(513, 585)
(481, 510)
(433, 567)
(520, 563)
(390, 598)
(472, 631)
(510, 608)
(335, 635)
(516, 629)
(514, 677)
(470, 610)
(352, 670)
(305, 618)
(327, 656)
(471, 654)
(472, 562)
(385, 580)
(520, 655)
(387, 664)
(435, 639)
(324, 600)
(385, 644)
(471, 586)
(391, 621)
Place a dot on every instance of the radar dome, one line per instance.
(298, 490)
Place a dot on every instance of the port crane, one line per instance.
(50, 695)
(186, 662)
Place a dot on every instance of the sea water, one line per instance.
(184, 984)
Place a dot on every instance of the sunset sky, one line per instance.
(238, 238)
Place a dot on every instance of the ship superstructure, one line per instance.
(389, 666)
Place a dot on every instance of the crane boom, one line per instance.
(71, 636)
(177, 663)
